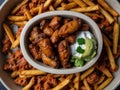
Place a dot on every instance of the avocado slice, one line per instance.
(89, 48)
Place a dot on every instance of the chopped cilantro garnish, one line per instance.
(80, 50)
(79, 62)
(81, 41)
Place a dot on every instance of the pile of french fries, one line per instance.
(99, 9)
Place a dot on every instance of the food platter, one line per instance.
(5, 78)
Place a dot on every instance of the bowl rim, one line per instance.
(61, 13)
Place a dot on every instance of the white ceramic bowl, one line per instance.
(69, 14)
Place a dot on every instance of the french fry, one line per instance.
(15, 74)
(8, 32)
(71, 85)
(63, 83)
(32, 72)
(77, 81)
(104, 84)
(17, 18)
(40, 9)
(63, 4)
(57, 3)
(109, 42)
(72, 88)
(107, 15)
(16, 43)
(29, 85)
(87, 72)
(27, 13)
(86, 9)
(115, 37)
(80, 3)
(94, 14)
(34, 10)
(51, 8)
(86, 84)
(25, 76)
(69, 6)
(47, 4)
(21, 23)
(110, 55)
(102, 78)
(107, 72)
(88, 2)
(104, 4)
(19, 6)
(59, 8)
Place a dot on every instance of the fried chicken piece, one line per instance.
(48, 31)
(46, 47)
(35, 51)
(64, 53)
(71, 39)
(69, 28)
(55, 22)
(55, 37)
(53, 62)
(85, 27)
(44, 23)
(35, 32)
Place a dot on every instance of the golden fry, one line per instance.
(80, 3)
(77, 81)
(57, 3)
(51, 8)
(29, 85)
(8, 32)
(63, 4)
(102, 78)
(15, 74)
(107, 72)
(32, 72)
(27, 13)
(87, 72)
(35, 10)
(106, 38)
(21, 23)
(107, 15)
(86, 84)
(59, 8)
(47, 4)
(24, 76)
(40, 9)
(110, 55)
(16, 43)
(115, 37)
(19, 6)
(94, 14)
(104, 4)
(86, 9)
(63, 83)
(17, 18)
(104, 84)
(88, 2)
(69, 6)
